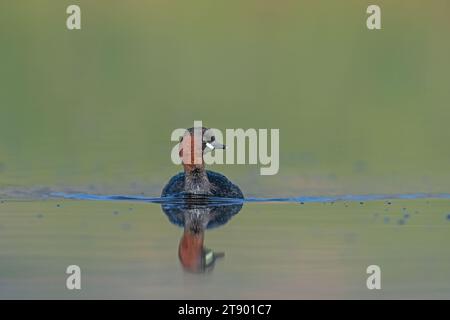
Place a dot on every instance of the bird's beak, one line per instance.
(215, 145)
(210, 258)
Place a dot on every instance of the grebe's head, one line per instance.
(194, 143)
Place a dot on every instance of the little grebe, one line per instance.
(195, 179)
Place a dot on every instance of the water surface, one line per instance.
(129, 249)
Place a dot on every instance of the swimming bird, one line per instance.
(196, 180)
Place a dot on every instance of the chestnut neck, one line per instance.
(191, 152)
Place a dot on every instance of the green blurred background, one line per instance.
(358, 111)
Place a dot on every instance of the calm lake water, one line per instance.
(129, 249)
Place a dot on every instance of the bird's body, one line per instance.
(212, 184)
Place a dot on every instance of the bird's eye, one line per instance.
(213, 138)
(181, 139)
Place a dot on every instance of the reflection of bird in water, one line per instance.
(196, 218)
(193, 209)
(195, 179)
